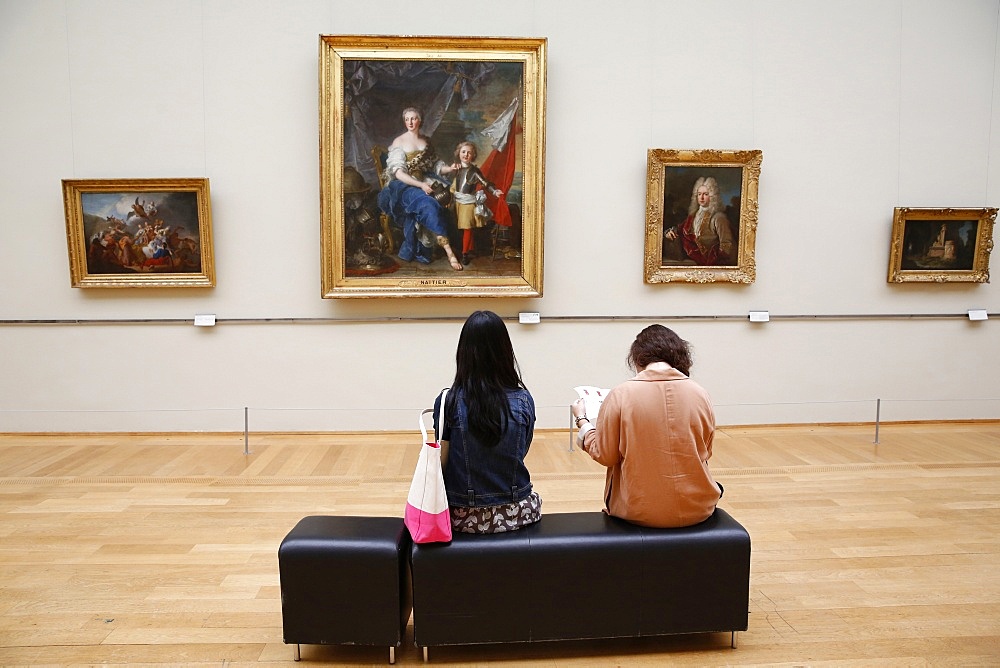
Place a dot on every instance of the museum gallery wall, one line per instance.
(834, 167)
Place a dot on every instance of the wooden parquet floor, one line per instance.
(161, 549)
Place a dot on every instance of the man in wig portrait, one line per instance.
(706, 236)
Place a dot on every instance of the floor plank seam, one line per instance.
(300, 481)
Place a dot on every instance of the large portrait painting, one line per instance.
(941, 245)
(432, 166)
(132, 233)
(701, 216)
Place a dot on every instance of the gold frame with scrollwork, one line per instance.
(959, 251)
(103, 217)
(338, 50)
(670, 174)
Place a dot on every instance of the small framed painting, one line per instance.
(139, 233)
(701, 216)
(941, 245)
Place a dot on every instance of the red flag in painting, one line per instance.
(498, 168)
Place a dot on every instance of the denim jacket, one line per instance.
(475, 475)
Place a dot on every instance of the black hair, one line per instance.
(485, 368)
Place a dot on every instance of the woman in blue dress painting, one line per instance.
(412, 168)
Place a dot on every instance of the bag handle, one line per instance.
(423, 427)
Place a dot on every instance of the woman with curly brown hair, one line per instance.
(654, 434)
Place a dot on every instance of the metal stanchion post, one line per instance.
(878, 411)
(246, 430)
(571, 429)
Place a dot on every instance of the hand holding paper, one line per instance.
(592, 398)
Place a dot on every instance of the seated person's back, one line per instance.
(489, 424)
(654, 433)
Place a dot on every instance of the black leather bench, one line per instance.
(345, 581)
(582, 576)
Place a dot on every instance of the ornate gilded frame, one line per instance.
(941, 245)
(139, 233)
(671, 176)
(346, 146)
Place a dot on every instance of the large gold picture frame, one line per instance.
(941, 245)
(139, 233)
(687, 244)
(377, 238)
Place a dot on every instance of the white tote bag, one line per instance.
(427, 516)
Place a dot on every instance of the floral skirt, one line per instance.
(497, 519)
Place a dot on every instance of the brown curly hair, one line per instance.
(657, 343)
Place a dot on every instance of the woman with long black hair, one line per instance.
(488, 425)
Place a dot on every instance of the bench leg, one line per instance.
(736, 636)
(425, 654)
(392, 655)
(296, 653)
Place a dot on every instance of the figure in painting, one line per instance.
(705, 235)
(470, 197)
(415, 194)
(142, 241)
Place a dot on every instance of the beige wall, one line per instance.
(858, 107)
